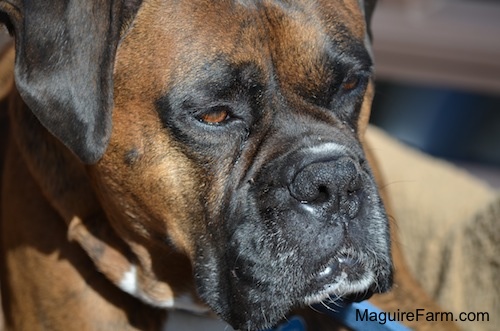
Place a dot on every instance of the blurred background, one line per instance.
(438, 79)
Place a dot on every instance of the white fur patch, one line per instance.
(129, 283)
(329, 147)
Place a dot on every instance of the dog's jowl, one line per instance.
(161, 152)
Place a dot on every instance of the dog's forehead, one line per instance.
(285, 32)
(178, 38)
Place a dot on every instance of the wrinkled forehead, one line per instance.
(280, 37)
(295, 41)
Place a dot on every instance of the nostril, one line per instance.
(323, 194)
(312, 184)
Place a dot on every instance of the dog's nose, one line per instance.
(334, 185)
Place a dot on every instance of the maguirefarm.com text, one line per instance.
(420, 315)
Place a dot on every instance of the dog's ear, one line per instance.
(65, 54)
(369, 7)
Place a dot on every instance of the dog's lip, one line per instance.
(341, 262)
(335, 277)
(340, 289)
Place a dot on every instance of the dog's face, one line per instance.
(244, 119)
(236, 141)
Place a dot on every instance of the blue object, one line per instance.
(296, 323)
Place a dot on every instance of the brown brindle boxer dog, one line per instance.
(201, 155)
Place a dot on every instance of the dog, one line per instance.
(198, 155)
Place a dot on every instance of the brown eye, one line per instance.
(216, 115)
(350, 83)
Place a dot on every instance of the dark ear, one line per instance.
(65, 54)
(369, 8)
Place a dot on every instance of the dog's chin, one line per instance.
(249, 306)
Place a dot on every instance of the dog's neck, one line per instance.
(144, 272)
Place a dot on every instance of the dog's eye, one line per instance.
(216, 115)
(350, 83)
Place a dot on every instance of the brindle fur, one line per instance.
(88, 224)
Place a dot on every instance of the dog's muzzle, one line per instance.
(308, 226)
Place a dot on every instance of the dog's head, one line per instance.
(236, 139)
